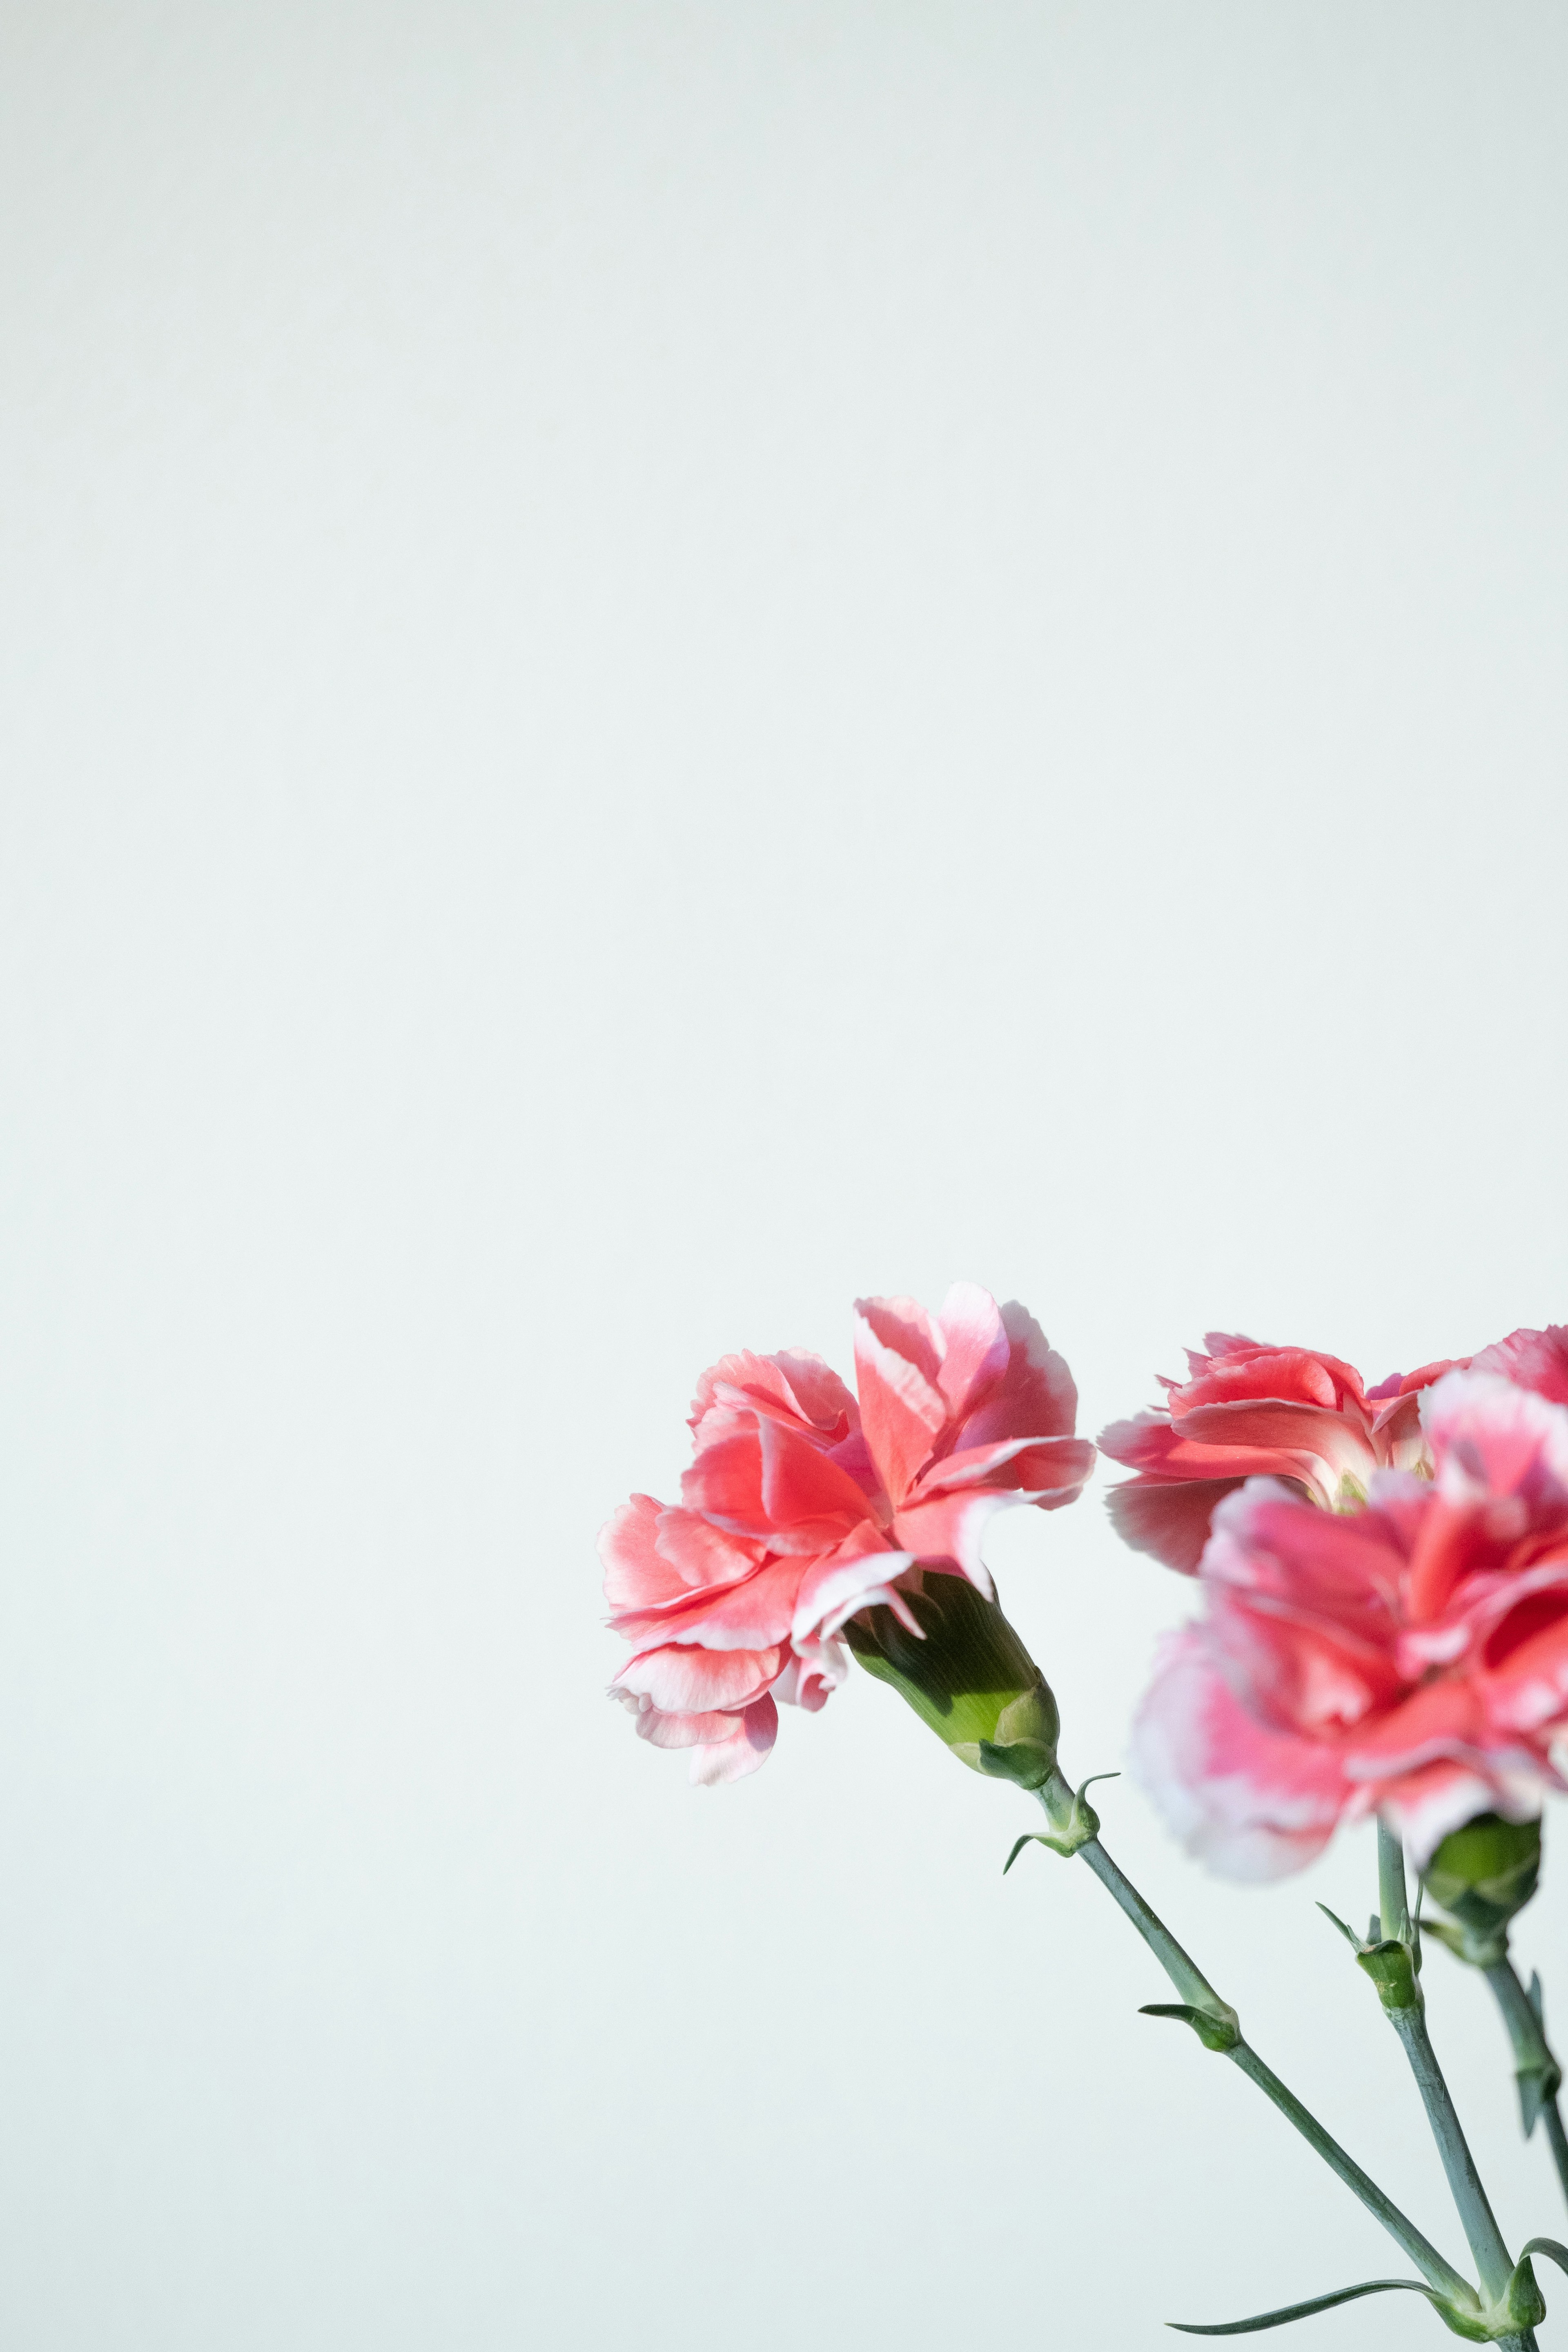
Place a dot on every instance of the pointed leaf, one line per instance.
(1307, 2310)
(1035, 1837)
(1524, 2301)
(1352, 1938)
(1550, 2248)
(1535, 1996)
(1214, 2033)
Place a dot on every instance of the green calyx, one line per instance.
(1393, 1962)
(967, 1675)
(1482, 1876)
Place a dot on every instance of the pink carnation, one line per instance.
(803, 1507)
(1409, 1658)
(1247, 1411)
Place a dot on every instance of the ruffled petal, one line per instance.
(769, 1481)
(751, 1614)
(1035, 1396)
(1171, 1522)
(812, 1674)
(1292, 1441)
(946, 1532)
(749, 1745)
(1045, 1469)
(975, 1348)
(1532, 1359)
(902, 1411)
(727, 1745)
(861, 1573)
(1524, 1655)
(1250, 1803)
(1492, 1438)
(636, 1575)
(701, 1554)
(687, 1681)
(792, 1386)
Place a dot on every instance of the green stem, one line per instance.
(1535, 2067)
(1559, 2139)
(1392, 1898)
(1491, 2256)
(1195, 1987)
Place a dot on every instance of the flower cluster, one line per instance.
(1382, 1571)
(805, 1505)
(1385, 1580)
(1381, 1576)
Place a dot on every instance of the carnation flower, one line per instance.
(1409, 1657)
(1246, 1410)
(805, 1505)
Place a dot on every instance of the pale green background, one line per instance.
(658, 664)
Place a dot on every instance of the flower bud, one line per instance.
(1483, 1874)
(969, 1677)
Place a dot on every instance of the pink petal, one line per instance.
(1283, 1375)
(1298, 1441)
(1301, 1676)
(1250, 1803)
(1035, 1396)
(904, 1326)
(975, 1347)
(1408, 1384)
(792, 1386)
(812, 1674)
(672, 1730)
(1050, 1470)
(1486, 1435)
(750, 1614)
(804, 1489)
(768, 1480)
(1439, 1719)
(1533, 1360)
(1342, 1568)
(701, 1554)
(1525, 1658)
(1172, 1522)
(861, 1573)
(1220, 1344)
(947, 1531)
(747, 1746)
(685, 1681)
(903, 1411)
(635, 1575)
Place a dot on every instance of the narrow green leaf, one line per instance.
(1214, 2033)
(1352, 1938)
(1305, 2310)
(1036, 1837)
(1550, 2248)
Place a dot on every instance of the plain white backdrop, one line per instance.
(658, 664)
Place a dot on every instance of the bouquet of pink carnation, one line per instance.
(1384, 1631)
